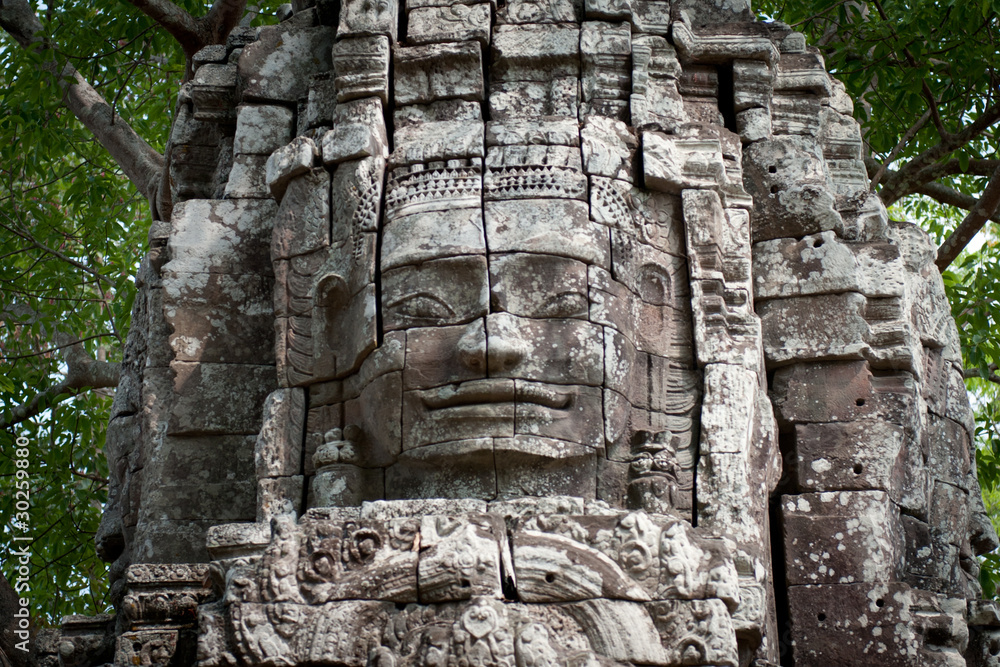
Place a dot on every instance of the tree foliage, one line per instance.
(72, 230)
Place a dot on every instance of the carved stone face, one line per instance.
(522, 340)
(498, 308)
(501, 355)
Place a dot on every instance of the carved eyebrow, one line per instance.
(412, 296)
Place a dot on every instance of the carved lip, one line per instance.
(484, 392)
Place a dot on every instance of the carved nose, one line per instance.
(506, 349)
(472, 347)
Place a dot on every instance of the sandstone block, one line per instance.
(424, 74)
(456, 469)
(288, 162)
(841, 391)
(888, 623)
(345, 485)
(823, 264)
(219, 398)
(219, 317)
(411, 239)
(523, 100)
(360, 18)
(248, 178)
(460, 557)
(608, 148)
(671, 164)
(527, 226)
(462, 22)
(412, 295)
(841, 537)
(262, 129)
(441, 140)
(278, 496)
(361, 68)
(278, 451)
(856, 455)
(536, 52)
(265, 64)
(213, 236)
(528, 465)
(358, 132)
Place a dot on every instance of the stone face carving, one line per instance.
(578, 310)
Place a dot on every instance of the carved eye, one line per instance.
(565, 304)
(422, 306)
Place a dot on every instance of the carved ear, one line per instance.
(331, 292)
(654, 284)
(330, 302)
(343, 326)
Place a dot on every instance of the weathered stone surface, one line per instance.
(279, 444)
(536, 52)
(844, 391)
(365, 18)
(857, 455)
(449, 22)
(608, 148)
(264, 65)
(673, 164)
(213, 93)
(279, 496)
(361, 67)
(301, 226)
(411, 239)
(262, 129)
(219, 317)
(841, 537)
(527, 172)
(288, 162)
(219, 398)
(823, 264)
(248, 178)
(530, 285)
(439, 292)
(425, 74)
(885, 622)
(441, 140)
(358, 132)
(517, 100)
(527, 226)
(211, 236)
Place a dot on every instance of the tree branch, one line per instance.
(141, 164)
(55, 253)
(907, 179)
(181, 25)
(83, 372)
(953, 167)
(932, 102)
(939, 193)
(946, 195)
(910, 133)
(975, 373)
(221, 19)
(984, 209)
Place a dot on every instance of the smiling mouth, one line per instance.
(485, 392)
